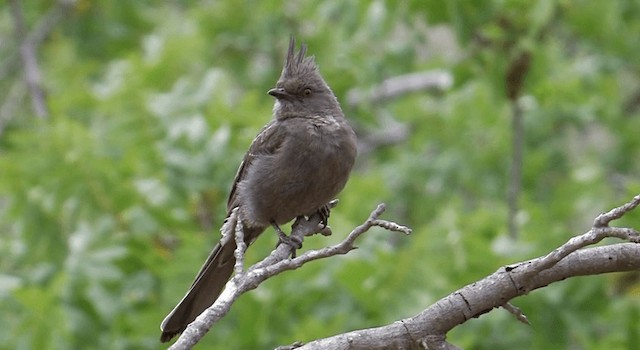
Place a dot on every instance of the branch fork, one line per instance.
(428, 329)
(278, 261)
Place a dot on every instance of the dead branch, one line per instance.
(32, 74)
(400, 85)
(428, 329)
(278, 261)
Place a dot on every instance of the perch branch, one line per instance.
(277, 262)
(241, 247)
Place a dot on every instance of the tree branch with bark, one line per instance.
(278, 261)
(428, 329)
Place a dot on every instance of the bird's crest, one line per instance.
(296, 65)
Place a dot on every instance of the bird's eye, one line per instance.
(307, 92)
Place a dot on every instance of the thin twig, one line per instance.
(516, 72)
(437, 342)
(598, 232)
(391, 226)
(616, 213)
(29, 62)
(42, 29)
(515, 170)
(515, 311)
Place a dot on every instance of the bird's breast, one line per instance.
(308, 170)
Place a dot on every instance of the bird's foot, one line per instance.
(324, 212)
(292, 242)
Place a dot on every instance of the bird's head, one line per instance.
(301, 91)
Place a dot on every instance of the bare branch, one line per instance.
(42, 29)
(604, 219)
(401, 85)
(481, 297)
(29, 61)
(241, 247)
(51, 19)
(389, 132)
(277, 262)
(391, 226)
(515, 168)
(515, 311)
(598, 232)
(429, 328)
(393, 132)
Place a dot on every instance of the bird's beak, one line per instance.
(278, 93)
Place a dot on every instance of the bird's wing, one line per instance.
(219, 265)
(267, 142)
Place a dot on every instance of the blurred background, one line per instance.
(496, 130)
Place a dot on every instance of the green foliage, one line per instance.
(108, 207)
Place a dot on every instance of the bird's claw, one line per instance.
(292, 242)
(324, 212)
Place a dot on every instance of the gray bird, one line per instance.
(298, 162)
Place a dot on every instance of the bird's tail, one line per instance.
(206, 287)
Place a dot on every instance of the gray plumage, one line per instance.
(298, 162)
